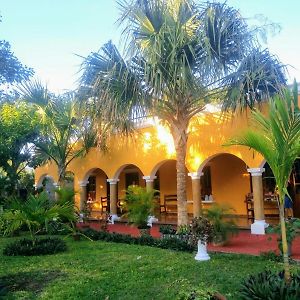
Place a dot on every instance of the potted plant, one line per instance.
(222, 228)
(292, 230)
(139, 204)
(201, 230)
(167, 231)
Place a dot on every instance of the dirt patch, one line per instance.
(33, 282)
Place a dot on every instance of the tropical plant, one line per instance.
(270, 285)
(276, 136)
(35, 213)
(139, 204)
(64, 133)
(292, 230)
(179, 56)
(222, 228)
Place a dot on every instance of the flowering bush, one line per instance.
(201, 229)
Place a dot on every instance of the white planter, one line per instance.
(202, 252)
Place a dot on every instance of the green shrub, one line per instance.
(139, 204)
(167, 229)
(271, 286)
(27, 247)
(172, 243)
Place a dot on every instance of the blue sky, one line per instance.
(47, 34)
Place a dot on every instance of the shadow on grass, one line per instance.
(33, 282)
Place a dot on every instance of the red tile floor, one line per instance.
(244, 242)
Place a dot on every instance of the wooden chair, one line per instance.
(249, 206)
(104, 201)
(169, 204)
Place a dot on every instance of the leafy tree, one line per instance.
(64, 133)
(277, 138)
(179, 56)
(11, 70)
(18, 128)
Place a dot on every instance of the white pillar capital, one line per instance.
(149, 178)
(195, 175)
(113, 181)
(256, 171)
(83, 183)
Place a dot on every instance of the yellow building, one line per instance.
(216, 174)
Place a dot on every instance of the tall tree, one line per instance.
(179, 55)
(12, 71)
(18, 130)
(276, 137)
(64, 133)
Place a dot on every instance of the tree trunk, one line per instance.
(286, 264)
(61, 176)
(180, 136)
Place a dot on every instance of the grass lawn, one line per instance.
(100, 270)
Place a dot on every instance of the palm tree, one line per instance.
(277, 138)
(64, 133)
(178, 57)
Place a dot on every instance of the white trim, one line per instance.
(112, 181)
(149, 178)
(256, 171)
(195, 175)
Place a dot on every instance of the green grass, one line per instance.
(100, 270)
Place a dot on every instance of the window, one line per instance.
(206, 188)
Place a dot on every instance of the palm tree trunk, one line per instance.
(180, 137)
(286, 264)
(61, 176)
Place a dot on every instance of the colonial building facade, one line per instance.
(233, 175)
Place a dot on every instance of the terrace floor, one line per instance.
(243, 243)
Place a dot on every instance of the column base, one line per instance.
(151, 220)
(113, 218)
(258, 227)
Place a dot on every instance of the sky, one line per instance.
(52, 36)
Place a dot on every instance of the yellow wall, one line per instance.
(152, 149)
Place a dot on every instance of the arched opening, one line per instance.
(269, 186)
(225, 181)
(166, 184)
(128, 175)
(97, 193)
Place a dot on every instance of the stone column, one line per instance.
(113, 199)
(149, 181)
(83, 195)
(56, 187)
(196, 187)
(259, 225)
(149, 186)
